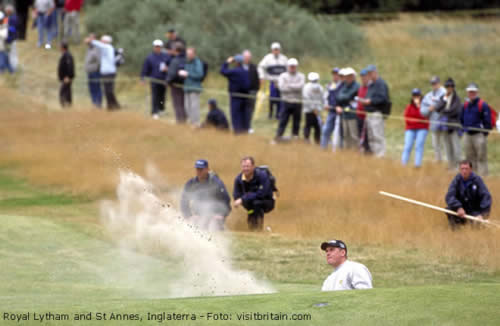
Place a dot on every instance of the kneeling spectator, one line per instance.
(215, 117)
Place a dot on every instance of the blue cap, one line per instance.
(371, 68)
(363, 72)
(416, 91)
(201, 164)
(212, 101)
(336, 70)
(238, 58)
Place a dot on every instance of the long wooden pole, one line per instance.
(416, 202)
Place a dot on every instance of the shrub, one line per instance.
(220, 28)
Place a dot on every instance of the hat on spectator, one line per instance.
(292, 62)
(334, 243)
(238, 58)
(313, 76)
(158, 43)
(342, 72)
(472, 87)
(201, 164)
(371, 68)
(171, 30)
(449, 83)
(336, 70)
(275, 46)
(435, 80)
(363, 72)
(1, 16)
(106, 39)
(416, 91)
(212, 101)
(349, 71)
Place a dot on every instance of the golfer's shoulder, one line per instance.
(354, 266)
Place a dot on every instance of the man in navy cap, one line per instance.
(239, 86)
(348, 275)
(205, 200)
(215, 117)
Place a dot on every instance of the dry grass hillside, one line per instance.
(323, 194)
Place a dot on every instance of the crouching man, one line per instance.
(253, 190)
(348, 275)
(467, 195)
(205, 200)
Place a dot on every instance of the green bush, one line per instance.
(220, 28)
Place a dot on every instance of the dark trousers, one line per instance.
(65, 94)
(456, 222)
(109, 91)
(363, 137)
(312, 122)
(250, 108)
(95, 88)
(22, 17)
(158, 94)
(178, 103)
(290, 109)
(256, 210)
(275, 101)
(239, 115)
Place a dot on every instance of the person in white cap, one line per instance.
(476, 118)
(290, 84)
(107, 68)
(270, 68)
(313, 102)
(155, 69)
(346, 109)
(348, 275)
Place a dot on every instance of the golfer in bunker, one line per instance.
(348, 275)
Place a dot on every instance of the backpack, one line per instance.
(205, 69)
(480, 107)
(272, 178)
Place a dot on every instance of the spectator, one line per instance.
(417, 127)
(346, 106)
(348, 275)
(450, 108)
(270, 68)
(467, 195)
(377, 98)
(428, 109)
(331, 103)
(56, 19)
(476, 115)
(22, 10)
(42, 11)
(254, 86)
(239, 85)
(290, 84)
(72, 20)
(252, 190)
(176, 82)
(205, 200)
(172, 39)
(192, 74)
(155, 68)
(92, 66)
(12, 25)
(313, 102)
(107, 68)
(363, 89)
(66, 74)
(4, 32)
(215, 117)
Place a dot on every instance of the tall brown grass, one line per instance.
(323, 194)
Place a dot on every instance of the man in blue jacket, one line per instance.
(331, 90)
(239, 86)
(475, 115)
(253, 191)
(155, 68)
(205, 200)
(467, 194)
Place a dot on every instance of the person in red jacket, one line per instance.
(72, 20)
(360, 111)
(417, 127)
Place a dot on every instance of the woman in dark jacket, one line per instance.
(450, 108)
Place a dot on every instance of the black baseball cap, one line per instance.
(334, 243)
